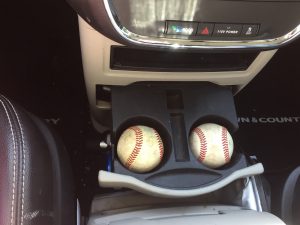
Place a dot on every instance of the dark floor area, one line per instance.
(41, 69)
(269, 113)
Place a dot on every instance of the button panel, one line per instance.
(227, 30)
(211, 30)
(250, 30)
(205, 29)
(181, 28)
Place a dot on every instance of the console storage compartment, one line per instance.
(174, 110)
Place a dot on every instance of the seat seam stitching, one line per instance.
(23, 162)
(14, 163)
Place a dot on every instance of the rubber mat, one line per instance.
(269, 112)
(269, 119)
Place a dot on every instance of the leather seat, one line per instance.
(290, 198)
(35, 176)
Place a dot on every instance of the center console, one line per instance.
(174, 110)
(172, 65)
(106, 63)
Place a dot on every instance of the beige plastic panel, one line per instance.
(96, 58)
(189, 215)
(95, 49)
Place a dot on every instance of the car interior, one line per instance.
(143, 112)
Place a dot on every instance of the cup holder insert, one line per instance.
(236, 155)
(149, 122)
(181, 108)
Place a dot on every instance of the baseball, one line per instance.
(140, 149)
(212, 144)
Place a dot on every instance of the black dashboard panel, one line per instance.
(148, 17)
(215, 23)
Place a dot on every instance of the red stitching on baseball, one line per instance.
(225, 144)
(160, 144)
(137, 147)
(203, 144)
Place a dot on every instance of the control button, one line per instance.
(227, 30)
(181, 28)
(250, 30)
(205, 29)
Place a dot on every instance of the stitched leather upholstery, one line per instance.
(35, 179)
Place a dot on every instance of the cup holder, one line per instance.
(179, 174)
(149, 122)
(215, 120)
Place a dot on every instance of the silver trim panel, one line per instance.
(250, 196)
(114, 180)
(197, 44)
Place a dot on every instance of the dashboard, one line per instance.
(194, 24)
(225, 42)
